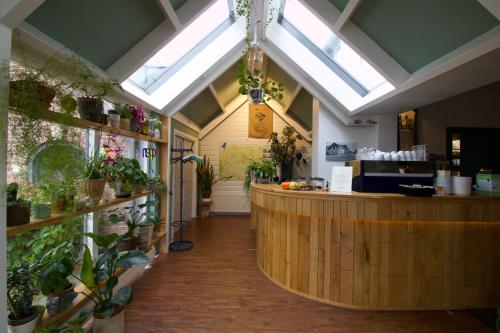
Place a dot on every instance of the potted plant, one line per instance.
(260, 172)
(155, 127)
(125, 116)
(18, 210)
(134, 217)
(114, 117)
(252, 84)
(206, 177)
(145, 233)
(31, 90)
(40, 204)
(284, 151)
(139, 178)
(155, 221)
(138, 119)
(101, 277)
(55, 285)
(93, 180)
(62, 196)
(121, 176)
(23, 316)
(145, 126)
(157, 186)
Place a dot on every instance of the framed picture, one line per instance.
(341, 152)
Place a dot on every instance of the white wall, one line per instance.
(229, 196)
(329, 129)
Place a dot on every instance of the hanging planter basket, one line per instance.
(257, 95)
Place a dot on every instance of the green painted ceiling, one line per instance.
(100, 30)
(301, 109)
(276, 73)
(202, 109)
(340, 4)
(227, 85)
(417, 32)
(177, 3)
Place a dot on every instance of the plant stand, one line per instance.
(181, 244)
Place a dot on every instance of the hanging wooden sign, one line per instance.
(260, 121)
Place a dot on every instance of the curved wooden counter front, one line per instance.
(378, 251)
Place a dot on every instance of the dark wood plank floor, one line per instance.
(217, 287)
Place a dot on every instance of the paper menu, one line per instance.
(341, 179)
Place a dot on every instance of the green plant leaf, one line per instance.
(103, 241)
(86, 274)
(132, 258)
(123, 296)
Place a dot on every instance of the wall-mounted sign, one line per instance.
(260, 121)
(149, 153)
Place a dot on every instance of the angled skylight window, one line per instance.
(329, 48)
(182, 48)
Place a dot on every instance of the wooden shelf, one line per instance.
(82, 123)
(59, 218)
(152, 243)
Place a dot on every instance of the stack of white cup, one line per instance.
(444, 179)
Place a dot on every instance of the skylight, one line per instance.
(355, 68)
(182, 48)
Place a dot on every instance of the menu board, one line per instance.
(341, 179)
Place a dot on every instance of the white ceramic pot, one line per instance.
(461, 185)
(115, 324)
(114, 120)
(26, 325)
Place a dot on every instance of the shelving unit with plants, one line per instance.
(57, 182)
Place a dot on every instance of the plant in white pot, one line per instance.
(114, 117)
(100, 276)
(23, 315)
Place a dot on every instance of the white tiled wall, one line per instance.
(229, 196)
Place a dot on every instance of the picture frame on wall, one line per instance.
(341, 151)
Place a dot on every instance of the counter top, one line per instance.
(364, 195)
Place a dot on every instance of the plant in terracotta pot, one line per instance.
(23, 315)
(18, 210)
(55, 285)
(206, 177)
(134, 217)
(121, 176)
(125, 116)
(101, 277)
(284, 151)
(93, 179)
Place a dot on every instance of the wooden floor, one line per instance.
(217, 287)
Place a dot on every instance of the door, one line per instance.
(187, 200)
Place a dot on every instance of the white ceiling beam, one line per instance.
(13, 12)
(280, 112)
(230, 109)
(169, 11)
(292, 98)
(153, 42)
(346, 14)
(493, 6)
(360, 42)
(210, 75)
(216, 96)
(186, 122)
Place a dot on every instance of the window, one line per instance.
(182, 48)
(329, 48)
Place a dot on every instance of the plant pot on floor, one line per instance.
(90, 109)
(125, 124)
(145, 236)
(25, 325)
(17, 215)
(40, 210)
(26, 94)
(114, 324)
(206, 194)
(127, 244)
(92, 188)
(120, 190)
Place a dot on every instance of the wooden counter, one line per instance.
(380, 251)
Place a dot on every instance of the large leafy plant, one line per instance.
(254, 79)
(284, 149)
(101, 276)
(129, 172)
(54, 278)
(20, 290)
(262, 169)
(133, 216)
(206, 175)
